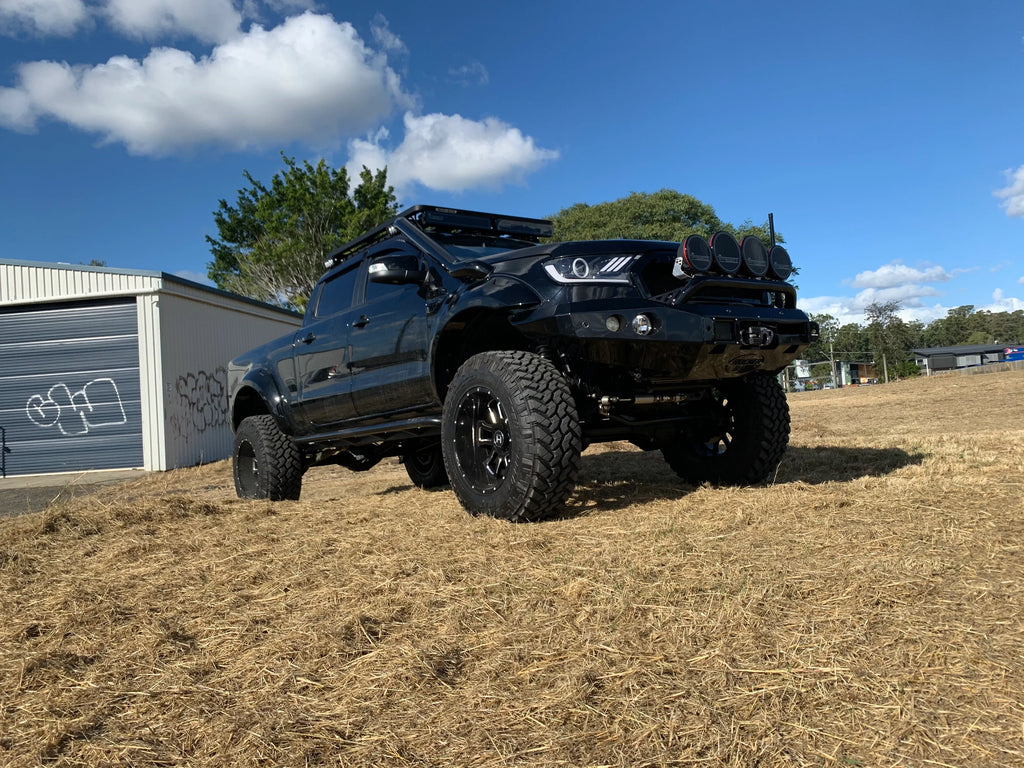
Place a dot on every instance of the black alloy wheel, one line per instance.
(511, 436)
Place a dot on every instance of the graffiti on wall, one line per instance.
(97, 404)
(198, 402)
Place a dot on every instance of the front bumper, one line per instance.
(695, 342)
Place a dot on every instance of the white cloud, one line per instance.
(452, 153)
(1003, 303)
(907, 295)
(286, 6)
(207, 20)
(473, 73)
(850, 309)
(385, 39)
(1013, 192)
(16, 110)
(897, 274)
(309, 79)
(43, 17)
(1021, 280)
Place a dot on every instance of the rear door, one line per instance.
(322, 355)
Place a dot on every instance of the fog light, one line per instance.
(642, 325)
(613, 324)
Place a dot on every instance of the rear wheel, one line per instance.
(425, 466)
(743, 439)
(511, 436)
(267, 465)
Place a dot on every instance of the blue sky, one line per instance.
(886, 137)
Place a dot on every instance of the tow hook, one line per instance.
(757, 336)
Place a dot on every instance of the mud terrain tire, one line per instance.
(425, 466)
(743, 441)
(267, 465)
(511, 436)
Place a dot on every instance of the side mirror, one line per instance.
(396, 269)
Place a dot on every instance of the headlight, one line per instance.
(606, 268)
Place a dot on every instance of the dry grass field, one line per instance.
(865, 609)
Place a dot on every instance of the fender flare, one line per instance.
(260, 386)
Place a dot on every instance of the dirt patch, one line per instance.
(863, 609)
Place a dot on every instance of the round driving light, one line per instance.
(613, 323)
(697, 253)
(642, 325)
(781, 264)
(726, 251)
(755, 257)
(580, 268)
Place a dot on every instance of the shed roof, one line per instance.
(962, 349)
(31, 282)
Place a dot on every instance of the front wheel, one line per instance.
(511, 436)
(267, 465)
(743, 438)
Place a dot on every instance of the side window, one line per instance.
(336, 294)
(376, 291)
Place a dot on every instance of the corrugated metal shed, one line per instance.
(959, 356)
(108, 368)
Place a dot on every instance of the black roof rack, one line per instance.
(417, 222)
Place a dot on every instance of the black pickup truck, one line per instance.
(488, 358)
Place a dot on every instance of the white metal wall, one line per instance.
(199, 335)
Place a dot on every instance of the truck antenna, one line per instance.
(771, 228)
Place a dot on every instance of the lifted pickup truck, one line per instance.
(489, 359)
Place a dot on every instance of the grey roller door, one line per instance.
(69, 387)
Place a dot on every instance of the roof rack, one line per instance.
(419, 221)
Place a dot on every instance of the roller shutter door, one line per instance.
(69, 387)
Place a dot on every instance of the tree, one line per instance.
(272, 242)
(821, 373)
(889, 337)
(828, 328)
(662, 215)
(950, 330)
(852, 344)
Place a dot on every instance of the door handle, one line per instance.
(309, 338)
(362, 322)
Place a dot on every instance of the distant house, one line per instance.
(932, 359)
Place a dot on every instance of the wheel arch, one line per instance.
(258, 395)
(470, 332)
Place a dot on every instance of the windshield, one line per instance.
(470, 246)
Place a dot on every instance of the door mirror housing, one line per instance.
(396, 269)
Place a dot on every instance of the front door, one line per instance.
(389, 342)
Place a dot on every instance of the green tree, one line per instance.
(823, 348)
(662, 215)
(272, 242)
(852, 344)
(950, 330)
(821, 373)
(889, 336)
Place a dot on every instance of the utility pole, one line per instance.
(832, 362)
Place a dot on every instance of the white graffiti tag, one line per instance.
(97, 404)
